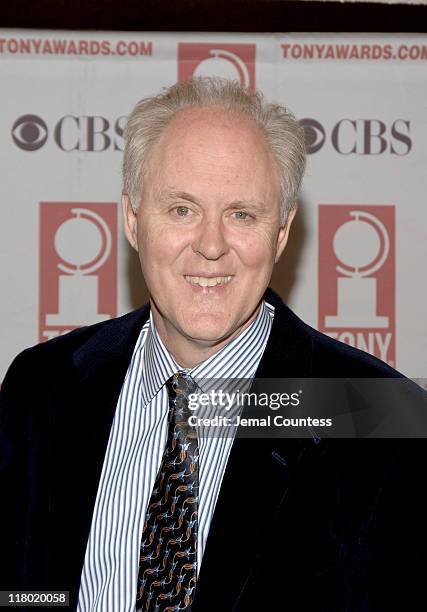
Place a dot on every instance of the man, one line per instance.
(92, 444)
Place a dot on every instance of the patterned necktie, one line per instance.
(168, 554)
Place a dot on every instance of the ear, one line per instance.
(130, 221)
(283, 235)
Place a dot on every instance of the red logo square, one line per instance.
(357, 277)
(233, 62)
(78, 265)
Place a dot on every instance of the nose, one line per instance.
(210, 240)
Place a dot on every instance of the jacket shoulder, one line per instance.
(320, 355)
(55, 356)
(332, 355)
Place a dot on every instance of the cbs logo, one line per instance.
(89, 133)
(359, 136)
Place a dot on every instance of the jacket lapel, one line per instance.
(256, 479)
(254, 487)
(81, 415)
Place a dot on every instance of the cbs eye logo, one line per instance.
(314, 135)
(29, 132)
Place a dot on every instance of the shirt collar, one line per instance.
(237, 359)
(158, 365)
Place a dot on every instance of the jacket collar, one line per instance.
(288, 351)
(111, 344)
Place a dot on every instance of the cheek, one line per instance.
(161, 246)
(256, 250)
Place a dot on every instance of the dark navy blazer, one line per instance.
(338, 525)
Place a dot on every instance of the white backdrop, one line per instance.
(355, 264)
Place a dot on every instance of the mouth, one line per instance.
(208, 281)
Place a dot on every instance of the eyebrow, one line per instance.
(235, 205)
(178, 195)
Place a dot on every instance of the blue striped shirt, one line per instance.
(134, 453)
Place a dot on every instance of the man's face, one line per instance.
(207, 229)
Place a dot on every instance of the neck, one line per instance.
(190, 352)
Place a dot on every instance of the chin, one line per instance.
(207, 328)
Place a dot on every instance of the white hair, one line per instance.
(151, 116)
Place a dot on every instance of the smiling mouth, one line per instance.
(204, 281)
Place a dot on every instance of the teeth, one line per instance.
(203, 281)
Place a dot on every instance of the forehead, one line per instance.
(211, 138)
(198, 118)
(212, 128)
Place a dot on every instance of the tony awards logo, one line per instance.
(233, 62)
(83, 242)
(225, 64)
(78, 263)
(357, 277)
(362, 246)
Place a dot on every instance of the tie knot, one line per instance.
(180, 385)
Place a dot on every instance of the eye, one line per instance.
(182, 211)
(29, 132)
(241, 215)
